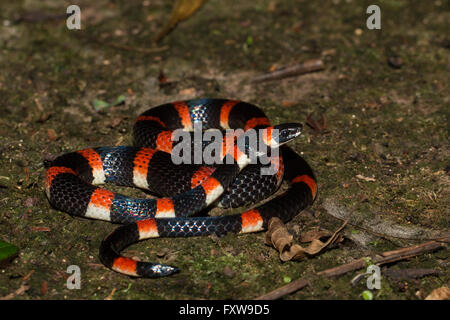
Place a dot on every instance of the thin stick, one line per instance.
(124, 46)
(137, 49)
(21, 290)
(295, 70)
(337, 271)
(284, 290)
(383, 258)
(403, 250)
(343, 214)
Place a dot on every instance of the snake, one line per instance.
(184, 190)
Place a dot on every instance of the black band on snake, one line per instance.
(185, 189)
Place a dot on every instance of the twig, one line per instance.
(137, 49)
(383, 258)
(18, 292)
(39, 16)
(284, 290)
(110, 296)
(124, 46)
(411, 273)
(295, 70)
(27, 276)
(417, 247)
(394, 231)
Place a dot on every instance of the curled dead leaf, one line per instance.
(314, 234)
(278, 237)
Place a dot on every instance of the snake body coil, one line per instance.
(186, 189)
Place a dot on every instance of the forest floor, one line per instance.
(382, 162)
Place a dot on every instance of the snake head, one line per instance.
(282, 133)
(272, 137)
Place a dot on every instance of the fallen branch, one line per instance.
(383, 258)
(385, 229)
(39, 16)
(295, 70)
(407, 274)
(22, 289)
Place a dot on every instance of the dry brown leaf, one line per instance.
(442, 293)
(182, 10)
(314, 234)
(278, 237)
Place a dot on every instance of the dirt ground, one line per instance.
(382, 162)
